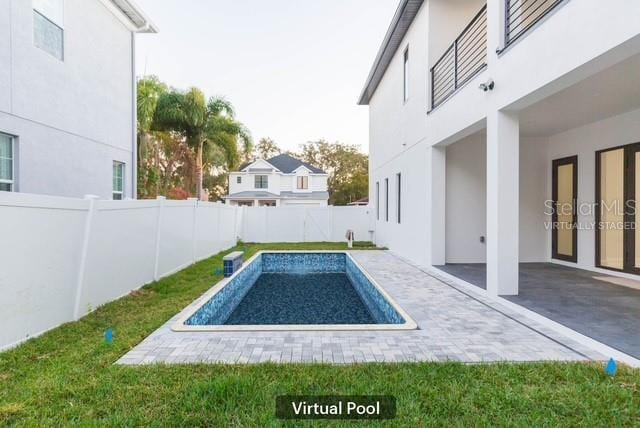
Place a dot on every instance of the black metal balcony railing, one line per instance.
(521, 15)
(465, 58)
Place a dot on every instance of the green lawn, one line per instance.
(67, 377)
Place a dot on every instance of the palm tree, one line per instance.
(203, 124)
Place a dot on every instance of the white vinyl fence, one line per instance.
(60, 258)
(298, 224)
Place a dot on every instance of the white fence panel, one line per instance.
(254, 224)
(357, 219)
(40, 241)
(120, 256)
(207, 233)
(318, 225)
(301, 224)
(62, 257)
(176, 236)
(227, 228)
(284, 224)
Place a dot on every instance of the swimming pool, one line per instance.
(296, 290)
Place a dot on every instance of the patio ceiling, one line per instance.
(606, 94)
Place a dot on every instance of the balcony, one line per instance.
(522, 15)
(465, 57)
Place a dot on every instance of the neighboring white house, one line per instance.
(68, 96)
(280, 181)
(483, 114)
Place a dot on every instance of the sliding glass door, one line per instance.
(565, 216)
(617, 190)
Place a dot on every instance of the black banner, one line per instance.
(335, 407)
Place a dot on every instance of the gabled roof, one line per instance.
(405, 14)
(287, 164)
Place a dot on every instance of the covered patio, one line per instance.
(531, 205)
(603, 307)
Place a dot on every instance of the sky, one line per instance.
(293, 69)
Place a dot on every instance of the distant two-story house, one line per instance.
(68, 96)
(280, 181)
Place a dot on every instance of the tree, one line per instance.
(267, 148)
(204, 125)
(149, 141)
(347, 167)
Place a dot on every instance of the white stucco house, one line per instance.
(279, 181)
(68, 96)
(487, 114)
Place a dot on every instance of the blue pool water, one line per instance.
(297, 289)
(320, 298)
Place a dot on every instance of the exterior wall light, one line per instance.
(488, 85)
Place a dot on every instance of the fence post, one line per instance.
(244, 223)
(193, 230)
(83, 253)
(160, 202)
(235, 225)
(330, 223)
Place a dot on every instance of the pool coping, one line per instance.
(184, 315)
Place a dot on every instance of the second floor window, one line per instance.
(48, 33)
(262, 181)
(118, 180)
(303, 183)
(6, 163)
(239, 180)
(406, 75)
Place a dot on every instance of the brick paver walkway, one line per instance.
(454, 326)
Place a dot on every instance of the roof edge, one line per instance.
(139, 20)
(380, 64)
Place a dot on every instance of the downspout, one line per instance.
(134, 110)
(134, 119)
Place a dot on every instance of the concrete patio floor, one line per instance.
(453, 326)
(588, 302)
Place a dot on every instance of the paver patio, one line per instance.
(454, 325)
(590, 303)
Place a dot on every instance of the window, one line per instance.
(239, 180)
(406, 75)
(303, 182)
(399, 199)
(6, 163)
(386, 199)
(262, 181)
(377, 200)
(48, 34)
(118, 180)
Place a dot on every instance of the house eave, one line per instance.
(132, 15)
(400, 24)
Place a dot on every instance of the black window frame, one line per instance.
(386, 199)
(399, 198)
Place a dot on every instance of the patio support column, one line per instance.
(438, 199)
(503, 165)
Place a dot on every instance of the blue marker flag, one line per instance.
(108, 336)
(612, 367)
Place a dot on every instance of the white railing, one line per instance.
(60, 258)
